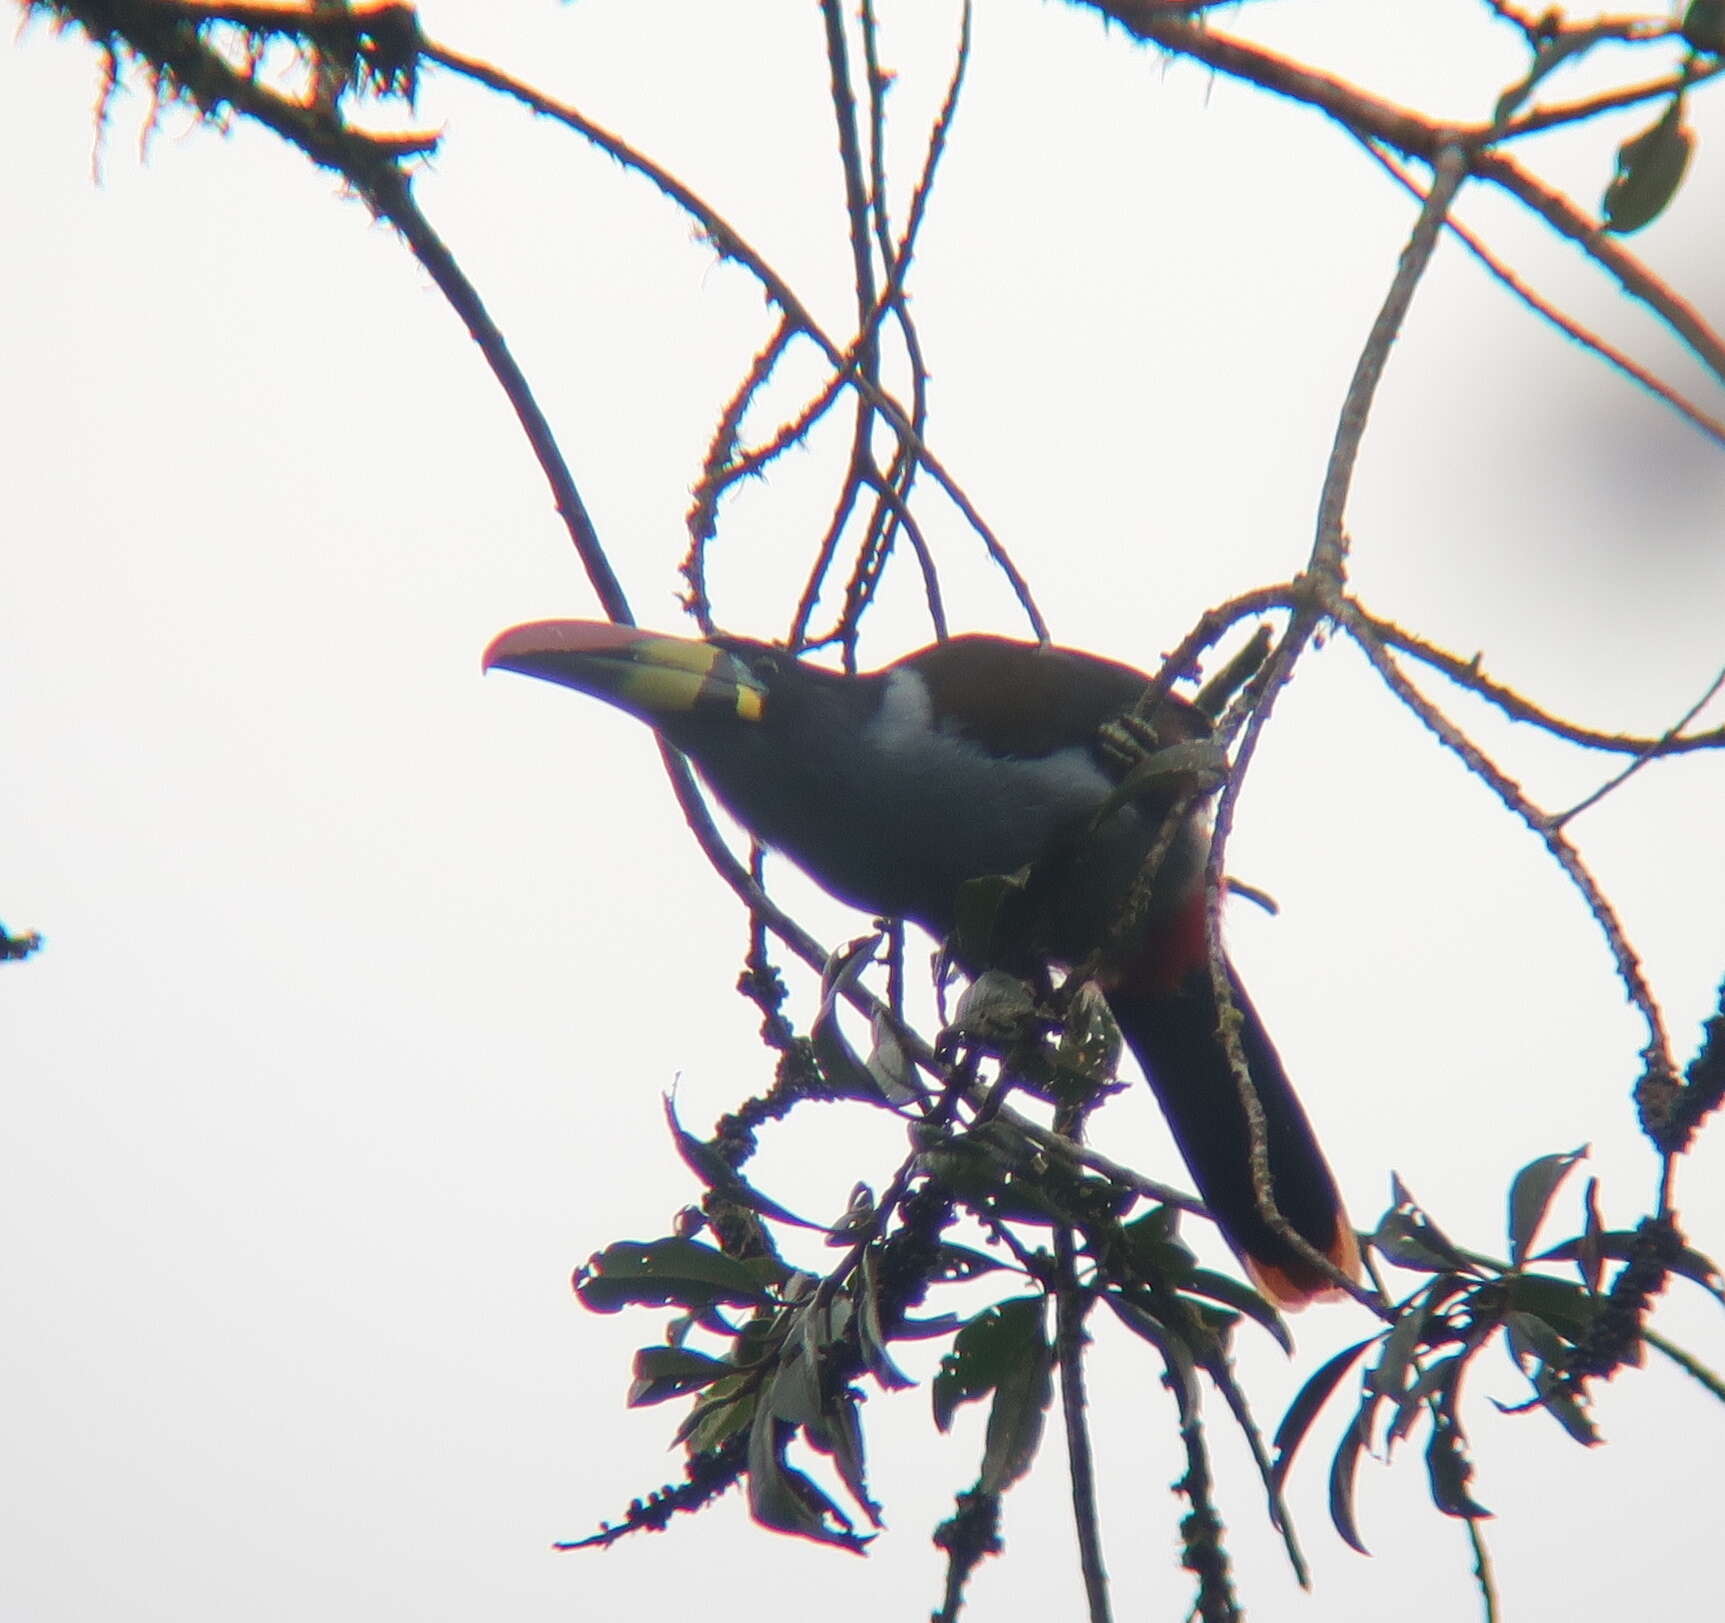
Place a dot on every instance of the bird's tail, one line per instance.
(1174, 1032)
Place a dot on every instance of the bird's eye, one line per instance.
(765, 664)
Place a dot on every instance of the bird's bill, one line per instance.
(650, 675)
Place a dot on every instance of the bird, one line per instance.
(981, 756)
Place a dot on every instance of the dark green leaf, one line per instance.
(870, 1336)
(1016, 1415)
(1704, 26)
(1529, 1196)
(995, 1009)
(1389, 1376)
(1565, 1408)
(1430, 1380)
(1408, 1237)
(843, 1441)
(1240, 1296)
(661, 1271)
(984, 1352)
(1561, 1303)
(1589, 1258)
(909, 1329)
(1154, 1246)
(1090, 1040)
(1450, 1471)
(1175, 1346)
(725, 1409)
(1342, 1469)
(891, 1080)
(717, 1173)
(1308, 1401)
(1650, 168)
(793, 1391)
(668, 1372)
(782, 1498)
(1533, 1341)
(1619, 1245)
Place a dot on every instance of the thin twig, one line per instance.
(1069, 1309)
(1468, 674)
(1576, 112)
(400, 209)
(1322, 588)
(703, 516)
(1568, 220)
(730, 244)
(1371, 117)
(866, 349)
(1482, 1569)
(1559, 819)
(1637, 374)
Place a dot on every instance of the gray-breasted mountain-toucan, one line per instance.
(974, 757)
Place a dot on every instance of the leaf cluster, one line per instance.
(1546, 1323)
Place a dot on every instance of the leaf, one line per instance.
(1619, 1245)
(843, 1441)
(1342, 1469)
(1590, 1259)
(995, 1009)
(1407, 1237)
(657, 1272)
(1565, 1407)
(1650, 168)
(983, 1353)
(1238, 1295)
(668, 1372)
(870, 1336)
(1562, 1303)
(1090, 1040)
(1308, 1401)
(891, 1067)
(1529, 1196)
(1432, 1379)
(891, 1080)
(1155, 1249)
(1450, 1470)
(717, 1173)
(1389, 1376)
(942, 1324)
(1015, 1419)
(725, 1410)
(857, 1219)
(1704, 26)
(1176, 1349)
(1533, 1341)
(794, 1391)
(782, 1498)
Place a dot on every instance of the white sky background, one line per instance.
(364, 976)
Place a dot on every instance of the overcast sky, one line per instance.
(364, 976)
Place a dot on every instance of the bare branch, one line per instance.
(1712, 427)
(1070, 1303)
(1468, 674)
